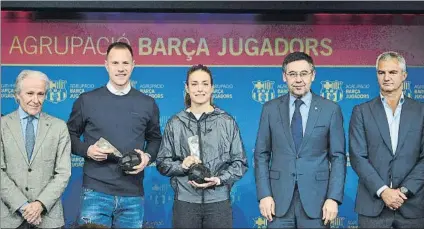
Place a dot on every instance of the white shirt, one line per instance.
(115, 91)
(393, 120)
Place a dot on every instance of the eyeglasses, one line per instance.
(302, 74)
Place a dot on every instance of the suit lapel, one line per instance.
(16, 129)
(284, 111)
(406, 116)
(42, 130)
(380, 118)
(313, 114)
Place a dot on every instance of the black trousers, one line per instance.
(209, 215)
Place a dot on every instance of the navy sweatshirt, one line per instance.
(128, 122)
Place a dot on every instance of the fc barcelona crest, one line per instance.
(263, 91)
(260, 222)
(332, 90)
(407, 89)
(57, 91)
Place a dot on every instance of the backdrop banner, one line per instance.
(245, 60)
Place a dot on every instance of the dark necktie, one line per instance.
(29, 136)
(296, 124)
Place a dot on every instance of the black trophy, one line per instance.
(198, 173)
(129, 160)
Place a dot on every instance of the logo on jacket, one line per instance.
(263, 91)
(57, 92)
(332, 90)
(407, 89)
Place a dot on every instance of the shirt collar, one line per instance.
(113, 90)
(307, 99)
(23, 114)
(401, 100)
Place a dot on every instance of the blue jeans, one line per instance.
(111, 211)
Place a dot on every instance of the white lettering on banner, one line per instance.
(155, 91)
(77, 89)
(160, 194)
(280, 47)
(357, 91)
(89, 45)
(173, 46)
(417, 93)
(223, 91)
(282, 89)
(352, 224)
(7, 91)
(152, 86)
(68, 45)
(77, 161)
(47, 44)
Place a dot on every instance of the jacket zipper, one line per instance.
(199, 133)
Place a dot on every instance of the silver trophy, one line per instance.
(104, 144)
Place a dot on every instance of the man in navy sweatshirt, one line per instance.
(129, 120)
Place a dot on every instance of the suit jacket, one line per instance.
(319, 166)
(372, 158)
(42, 178)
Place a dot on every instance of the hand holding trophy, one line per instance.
(103, 150)
(197, 172)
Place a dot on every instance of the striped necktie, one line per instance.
(29, 136)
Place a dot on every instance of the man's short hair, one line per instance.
(296, 56)
(392, 55)
(119, 45)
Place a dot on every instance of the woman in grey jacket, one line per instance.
(202, 134)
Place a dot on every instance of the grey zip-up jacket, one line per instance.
(221, 150)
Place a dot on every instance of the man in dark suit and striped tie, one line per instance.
(300, 138)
